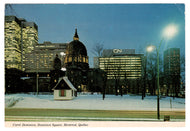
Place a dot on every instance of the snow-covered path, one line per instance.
(95, 102)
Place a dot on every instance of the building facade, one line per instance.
(40, 67)
(20, 38)
(12, 42)
(121, 63)
(29, 39)
(41, 58)
(172, 70)
(96, 80)
(123, 68)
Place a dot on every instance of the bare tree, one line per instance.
(106, 69)
(182, 64)
(97, 49)
(143, 79)
(116, 73)
(126, 82)
(144, 64)
(152, 71)
(182, 73)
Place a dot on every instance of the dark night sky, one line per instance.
(121, 26)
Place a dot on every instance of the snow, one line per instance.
(94, 102)
(11, 101)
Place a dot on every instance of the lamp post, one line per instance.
(168, 33)
(63, 61)
(150, 49)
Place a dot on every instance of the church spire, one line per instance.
(76, 37)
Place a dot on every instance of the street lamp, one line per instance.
(63, 59)
(62, 53)
(150, 49)
(168, 32)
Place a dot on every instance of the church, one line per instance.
(75, 79)
(76, 63)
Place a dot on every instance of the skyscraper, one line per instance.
(29, 39)
(172, 70)
(20, 38)
(12, 42)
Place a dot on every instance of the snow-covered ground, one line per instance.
(95, 102)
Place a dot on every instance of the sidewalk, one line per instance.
(22, 114)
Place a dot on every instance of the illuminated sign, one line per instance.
(117, 50)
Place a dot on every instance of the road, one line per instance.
(29, 114)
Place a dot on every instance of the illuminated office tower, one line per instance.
(30, 36)
(123, 63)
(20, 38)
(29, 39)
(12, 37)
(123, 68)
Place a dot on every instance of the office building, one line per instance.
(41, 58)
(40, 66)
(12, 42)
(123, 68)
(120, 62)
(20, 38)
(172, 70)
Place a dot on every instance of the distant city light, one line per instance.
(170, 31)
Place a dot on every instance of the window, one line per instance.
(70, 59)
(62, 93)
(84, 60)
